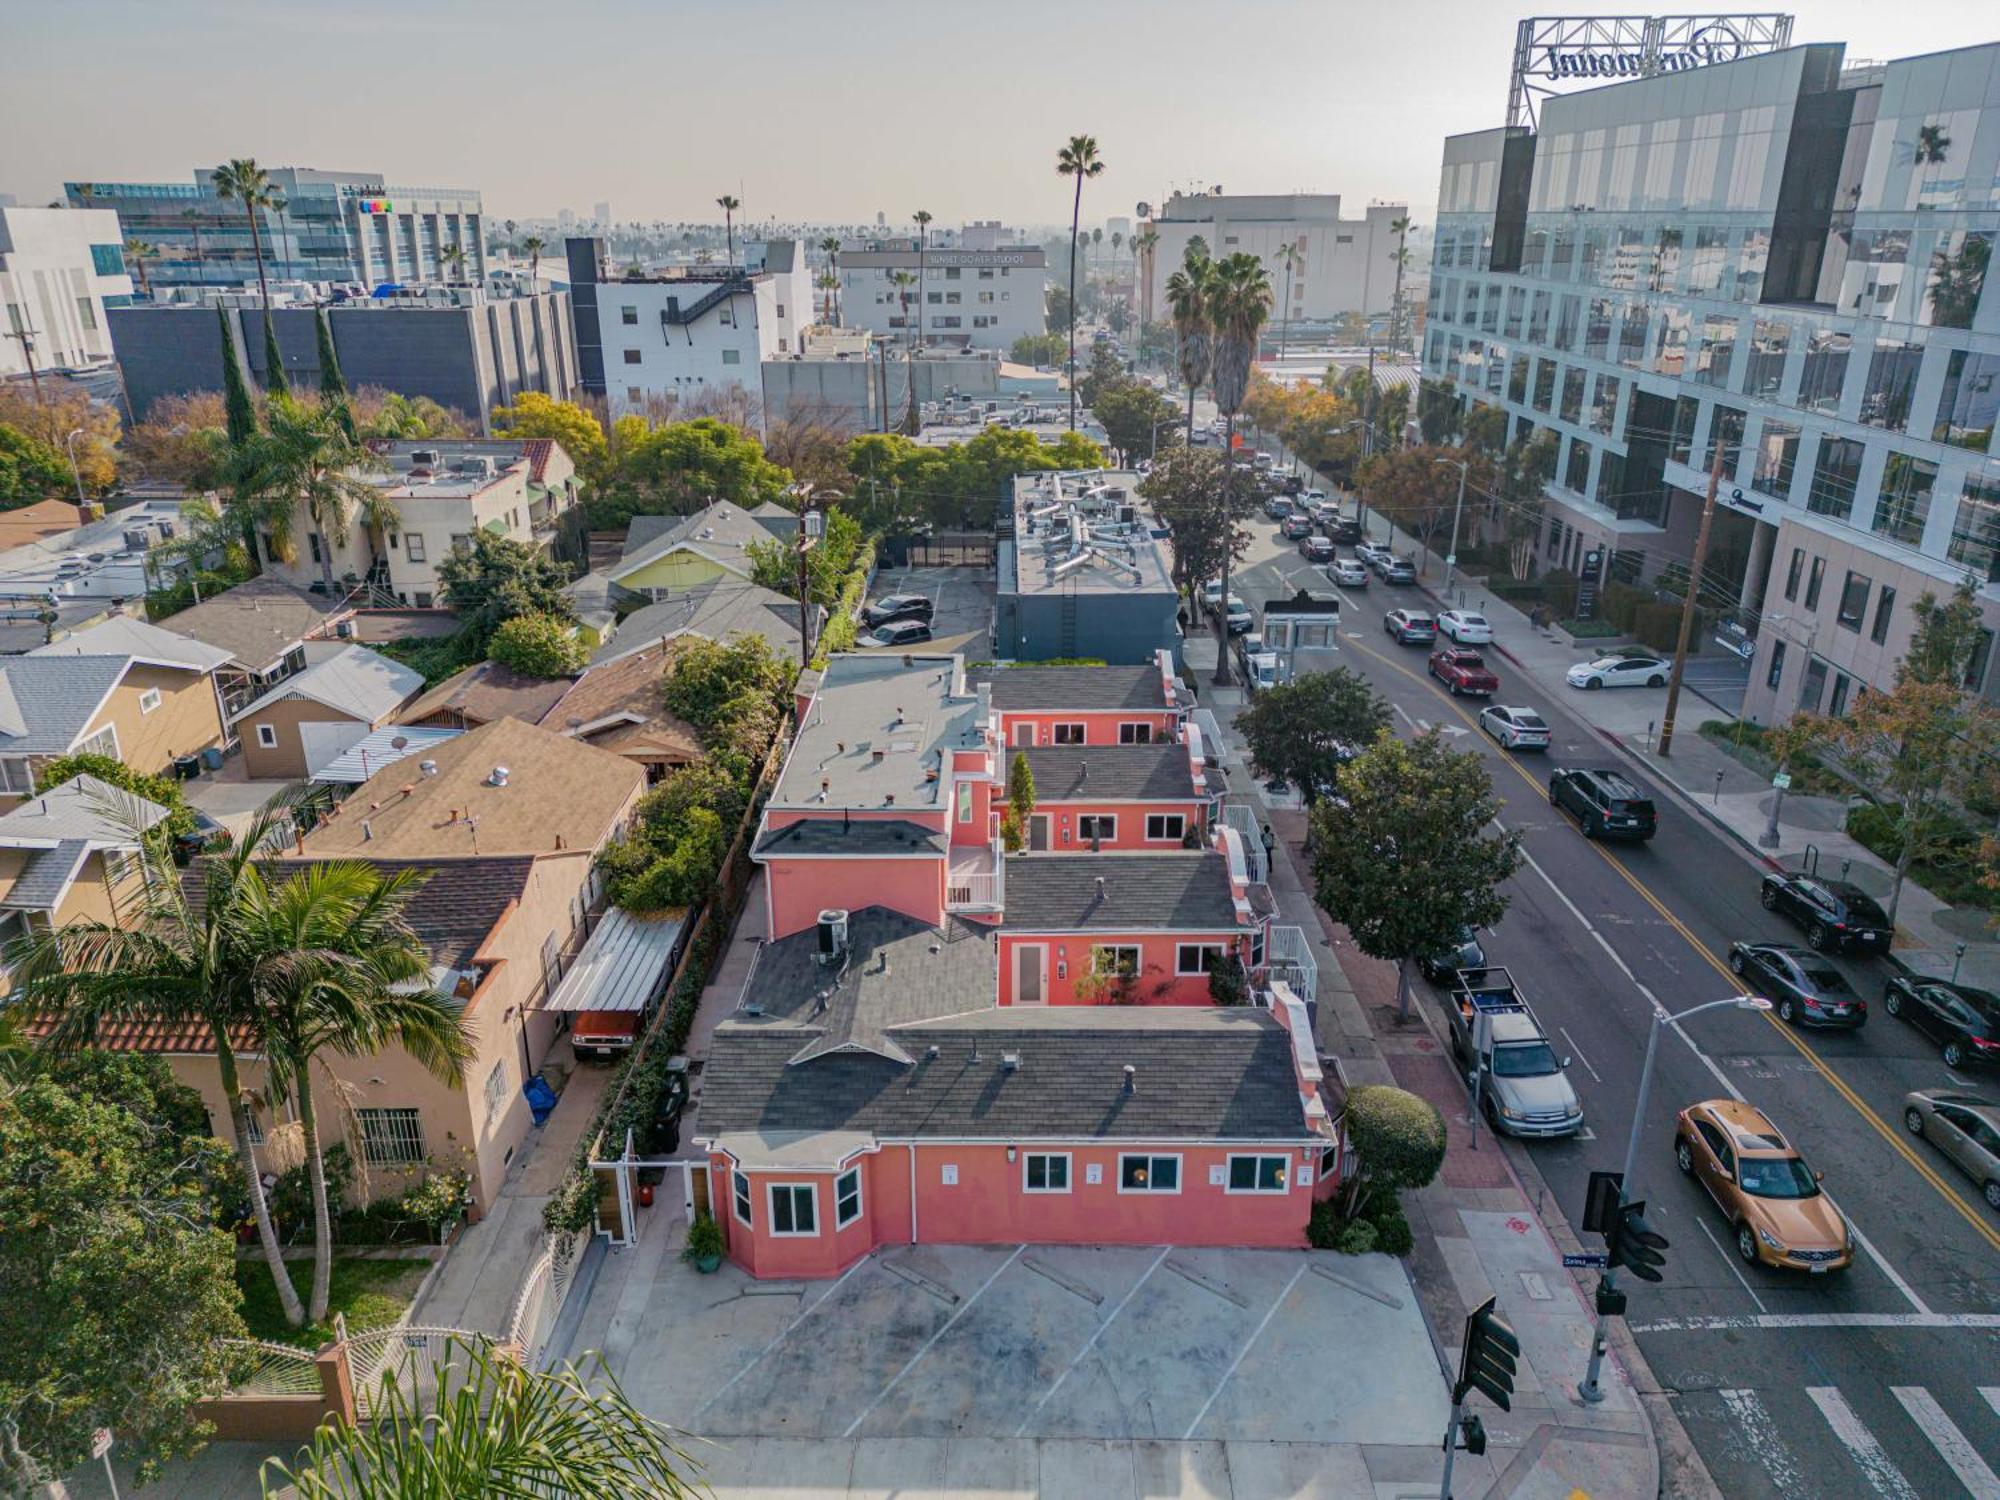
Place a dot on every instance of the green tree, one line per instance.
(684, 466)
(774, 564)
(181, 441)
(1057, 305)
(390, 414)
(1135, 417)
(164, 791)
(534, 245)
(243, 181)
(1438, 412)
(537, 646)
(138, 252)
(1106, 372)
(240, 410)
(1020, 800)
(1485, 429)
(729, 205)
(1194, 336)
(709, 678)
(1946, 637)
(332, 384)
(275, 384)
(119, 1267)
(1408, 863)
(309, 460)
(497, 578)
(1186, 490)
(1305, 730)
(1398, 1139)
(534, 415)
(1238, 303)
(1037, 349)
(30, 470)
(1077, 159)
(830, 248)
(1400, 227)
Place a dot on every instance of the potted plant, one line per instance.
(703, 1249)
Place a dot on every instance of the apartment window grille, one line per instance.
(391, 1137)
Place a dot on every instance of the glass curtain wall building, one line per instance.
(1781, 258)
(332, 226)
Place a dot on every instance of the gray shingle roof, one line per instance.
(1119, 772)
(720, 531)
(1187, 891)
(1102, 688)
(259, 621)
(1225, 1074)
(354, 680)
(81, 808)
(45, 876)
(122, 635)
(865, 836)
(718, 611)
(47, 701)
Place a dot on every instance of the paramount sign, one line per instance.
(1718, 43)
(1551, 51)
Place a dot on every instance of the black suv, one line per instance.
(1834, 913)
(1609, 804)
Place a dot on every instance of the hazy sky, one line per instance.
(823, 110)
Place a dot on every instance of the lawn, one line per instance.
(369, 1293)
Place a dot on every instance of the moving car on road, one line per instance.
(1515, 728)
(1465, 627)
(1964, 1127)
(1316, 549)
(1834, 913)
(1636, 669)
(1369, 552)
(1964, 1021)
(1806, 990)
(1238, 616)
(1399, 571)
(1609, 804)
(1410, 627)
(1463, 670)
(1764, 1188)
(1277, 507)
(899, 633)
(1345, 530)
(1348, 572)
(1296, 525)
(898, 607)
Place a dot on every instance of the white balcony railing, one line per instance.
(1287, 957)
(1238, 815)
(976, 879)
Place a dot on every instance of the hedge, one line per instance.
(842, 621)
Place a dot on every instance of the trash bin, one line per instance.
(211, 758)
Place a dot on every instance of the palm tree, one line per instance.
(1097, 237)
(175, 962)
(1143, 244)
(1400, 227)
(243, 181)
(829, 284)
(729, 205)
(139, 252)
(922, 219)
(1078, 159)
(355, 981)
(1187, 305)
(831, 246)
(1239, 303)
(307, 459)
(1292, 259)
(453, 259)
(903, 281)
(533, 245)
(494, 1427)
(1117, 239)
(193, 217)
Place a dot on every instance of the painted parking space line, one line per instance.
(963, 1307)
(781, 1336)
(1091, 1342)
(1230, 1373)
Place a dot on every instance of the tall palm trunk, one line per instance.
(322, 1220)
(1190, 424)
(1222, 675)
(1075, 218)
(260, 1208)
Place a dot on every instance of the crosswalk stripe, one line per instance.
(1992, 1395)
(1886, 1478)
(1971, 1469)
(1755, 1420)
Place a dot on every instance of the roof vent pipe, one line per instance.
(1131, 1079)
(499, 776)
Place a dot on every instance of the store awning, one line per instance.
(623, 964)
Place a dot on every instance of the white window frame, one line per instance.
(401, 1141)
(1104, 824)
(1028, 1157)
(496, 1090)
(792, 1189)
(413, 546)
(1152, 1159)
(1179, 820)
(1143, 736)
(1077, 727)
(149, 700)
(841, 1218)
(267, 737)
(1221, 950)
(1284, 1175)
(92, 746)
(740, 1197)
(17, 775)
(1098, 949)
(964, 801)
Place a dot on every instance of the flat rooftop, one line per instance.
(1082, 533)
(880, 730)
(446, 468)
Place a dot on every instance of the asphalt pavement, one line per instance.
(1883, 1379)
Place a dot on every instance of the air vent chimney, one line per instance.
(499, 776)
(1010, 1062)
(1131, 1079)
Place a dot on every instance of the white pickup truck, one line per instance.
(1522, 1087)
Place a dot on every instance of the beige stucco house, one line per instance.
(340, 694)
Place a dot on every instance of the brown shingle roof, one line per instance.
(628, 686)
(259, 621)
(485, 692)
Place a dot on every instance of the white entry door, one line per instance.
(1030, 974)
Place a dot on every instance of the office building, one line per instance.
(1082, 574)
(975, 298)
(336, 227)
(1781, 261)
(1346, 267)
(466, 347)
(59, 271)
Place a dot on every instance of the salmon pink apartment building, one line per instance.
(942, 1042)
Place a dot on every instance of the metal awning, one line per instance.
(382, 747)
(623, 965)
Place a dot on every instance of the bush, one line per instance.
(1226, 981)
(434, 657)
(1619, 601)
(1392, 1227)
(1398, 1136)
(163, 790)
(537, 646)
(841, 624)
(1659, 625)
(1357, 1238)
(1952, 874)
(704, 1238)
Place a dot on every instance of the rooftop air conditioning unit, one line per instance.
(138, 538)
(425, 456)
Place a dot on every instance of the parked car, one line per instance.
(898, 607)
(1316, 549)
(1262, 462)
(899, 633)
(1635, 669)
(1314, 497)
(1211, 595)
(1238, 618)
(1296, 527)
(1609, 804)
(1399, 572)
(1344, 530)
(1465, 627)
(1962, 1020)
(1770, 1197)
(1289, 484)
(1806, 989)
(1277, 507)
(1834, 913)
(1410, 627)
(1467, 955)
(1964, 1127)
(1463, 670)
(1515, 728)
(1349, 572)
(1368, 551)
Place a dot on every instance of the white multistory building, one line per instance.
(1344, 265)
(59, 270)
(983, 294)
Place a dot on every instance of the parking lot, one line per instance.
(963, 617)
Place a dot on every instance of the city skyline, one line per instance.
(842, 126)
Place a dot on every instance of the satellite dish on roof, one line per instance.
(400, 742)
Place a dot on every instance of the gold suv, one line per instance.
(1771, 1198)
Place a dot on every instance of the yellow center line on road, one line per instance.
(1861, 1107)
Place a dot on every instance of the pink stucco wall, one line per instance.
(796, 891)
(1157, 983)
(989, 1204)
(1131, 825)
(1100, 728)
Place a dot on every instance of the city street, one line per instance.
(1880, 1379)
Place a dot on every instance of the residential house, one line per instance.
(147, 698)
(711, 544)
(311, 717)
(43, 519)
(264, 626)
(1127, 798)
(71, 854)
(483, 692)
(720, 610)
(619, 706)
(1116, 705)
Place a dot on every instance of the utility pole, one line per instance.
(802, 545)
(27, 336)
(1687, 605)
(1451, 557)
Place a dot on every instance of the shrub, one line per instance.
(1357, 1238)
(163, 790)
(537, 646)
(1658, 625)
(1619, 601)
(1226, 981)
(1391, 1225)
(1952, 873)
(704, 1238)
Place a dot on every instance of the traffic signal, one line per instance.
(1487, 1366)
(1475, 1434)
(1635, 1244)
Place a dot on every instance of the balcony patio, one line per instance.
(976, 878)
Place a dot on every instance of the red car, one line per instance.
(1464, 670)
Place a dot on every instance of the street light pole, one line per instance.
(1589, 1390)
(1451, 557)
(75, 473)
